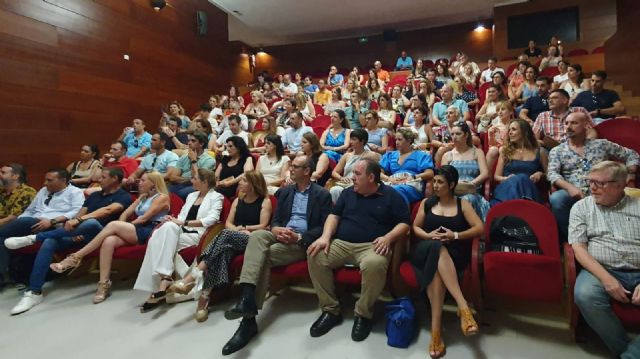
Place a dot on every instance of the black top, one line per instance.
(536, 105)
(98, 200)
(248, 214)
(230, 171)
(592, 102)
(326, 175)
(535, 53)
(182, 137)
(363, 219)
(460, 251)
(193, 213)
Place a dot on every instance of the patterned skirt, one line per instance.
(218, 256)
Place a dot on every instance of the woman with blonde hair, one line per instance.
(305, 106)
(497, 132)
(150, 208)
(250, 212)
(257, 108)
(269, 127)
(201, 210)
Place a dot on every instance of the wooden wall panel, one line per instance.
(597, 23)
(65, 83)
(622, 52)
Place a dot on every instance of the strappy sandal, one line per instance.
(437, 348)
(467, 323)
(70, 263)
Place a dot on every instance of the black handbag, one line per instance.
(513, 234)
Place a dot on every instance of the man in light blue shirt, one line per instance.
(404, 62)
(440, 108)
(335, 79)
(54, 204)
(293, 135)
(180, 175)
(137, 139)
(159, 160)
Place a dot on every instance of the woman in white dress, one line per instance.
(274, 164)
(201, 210)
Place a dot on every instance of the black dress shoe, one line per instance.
(245, 308)
(246, 331)
(324, 324)
(361, 329)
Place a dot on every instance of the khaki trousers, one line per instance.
(263, 252)
(373, 268)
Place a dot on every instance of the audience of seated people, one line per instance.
(367, 194)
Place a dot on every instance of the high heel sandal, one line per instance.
(155, 299)
(467, 323)
(202, 312)
(103, 292)
(181, 287)
(70, 263)
(437, 348)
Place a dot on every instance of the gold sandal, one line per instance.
(71, 263)
(467, 323)
(437, 348)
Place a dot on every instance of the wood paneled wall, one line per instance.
(622, 52)
(431, 44)
(597, 22)
(64, 82)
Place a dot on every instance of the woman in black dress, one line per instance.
(250, 212)
(445, 225)
(233, 166)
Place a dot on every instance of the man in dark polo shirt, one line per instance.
(602, 104)
(98, 209)
(535, 105)
(366, 220)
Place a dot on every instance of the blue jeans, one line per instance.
(595, 305)
(58, 240)
(18, 227)
(561, 204)
(182, 189)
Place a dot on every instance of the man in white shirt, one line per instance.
(54, 204)
(234, 130)
(293, 135)
(487, 75)
(563, 75)
(235, 110)
(287, 85)
(216, 112)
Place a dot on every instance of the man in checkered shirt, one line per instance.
(604, 232)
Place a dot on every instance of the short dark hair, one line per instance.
(372, 167)
(62, 174)
(601, 74)
(235, 118)
(123, 144)
(205, 107)
(163, 136)
(494, 59)
(450, 173)
(201, 137)
(115, 172)
(175, 119)
(545, 79)
(360, 134)
(18, 169)
(562, 92)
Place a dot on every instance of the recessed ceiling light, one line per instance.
(237, 12)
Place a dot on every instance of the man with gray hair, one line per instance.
(439, 115)
(361, 229)
(604, 232)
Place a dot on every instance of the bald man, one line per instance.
(440, 108)
(571, 161)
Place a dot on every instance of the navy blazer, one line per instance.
(318, 208)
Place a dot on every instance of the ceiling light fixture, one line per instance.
(158, 4)
(261, 52)
(480, 28)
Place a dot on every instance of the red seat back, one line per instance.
(578, 52)
(539, 218)
(482, 92)
(598, 50)
(550, 72)
(322, 121)
(176, 204)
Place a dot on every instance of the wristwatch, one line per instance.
(53, 222)
(456, 236)
(194, 162)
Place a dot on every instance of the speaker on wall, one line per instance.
(389, 35)
(201, 22)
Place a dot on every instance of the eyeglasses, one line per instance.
(48, 200)
(598, 184)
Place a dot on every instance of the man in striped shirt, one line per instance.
(604, 232)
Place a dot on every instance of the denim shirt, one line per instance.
(298, 220)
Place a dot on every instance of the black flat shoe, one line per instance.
(245, 308)
(246, 331)
(361, 329)
(155, 300)
(324, 324)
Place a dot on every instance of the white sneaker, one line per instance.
(28, 301)
(20, 242)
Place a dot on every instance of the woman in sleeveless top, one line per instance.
(335, 139)
(471, 166)
(344, 169)
(249, 212)
(575, 82)
(378, 141)
(233, 166)
(521, 166)
(269, 127)
(274, 165)
(445, 226)
(86, 168)
(150, 208)
(310, 146)
(201, 210)
(497, 133)
(385, 112)
(527, 88)
(421, 128)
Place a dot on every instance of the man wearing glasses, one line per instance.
(602, 104)
(137, 139)
(571, 161)
(54, 204)
(180, 174)
(300, 214)
(604, 232)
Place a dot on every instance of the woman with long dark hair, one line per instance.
(274, 164)
(232, 166)
(89, 166)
